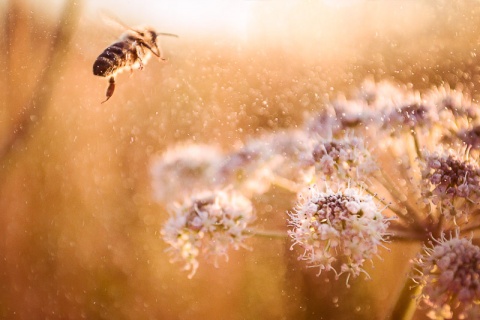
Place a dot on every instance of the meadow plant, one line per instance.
(208, 222)
(449, 272)
(389, 164)
(330, 225)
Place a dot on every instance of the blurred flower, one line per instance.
(411, 111)
(449, 274)
(456, 114)
(352, 113)
(338, 116)
(452, 105)
(343, 158)
(182, 169)
(451, 180)
(330, 225)
(380, 94)
(471, 137)
(209, 223)
(255, 166)
(414, 114)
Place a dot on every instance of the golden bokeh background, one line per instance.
(79, 228)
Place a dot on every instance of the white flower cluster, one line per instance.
(342, 158)
(183, 169)
(449, 274)
(451, 181)
(455, 107)
(255, 165)
(426, 192)
(344, 225)
(250, 168)
(396, 107)
(209, 223)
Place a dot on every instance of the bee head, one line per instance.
(149, 39)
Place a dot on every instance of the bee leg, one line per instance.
(110, 89)
(161, 54)
(140, 54)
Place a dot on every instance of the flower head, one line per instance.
(410, 112)
(254, 166)
(343, 158)
(450, 180)
(330, 225)
(380, 94)
(449, 273)
(181, 169)
(471, 137)
(352, 113)
(412, 115)
(209, 223)
(452, 105)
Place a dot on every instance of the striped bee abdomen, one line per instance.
(113, 58)
(131, 51)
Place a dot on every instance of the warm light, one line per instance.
(182, 16)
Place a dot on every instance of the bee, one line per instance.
(131, 51)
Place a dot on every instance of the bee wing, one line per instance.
(113, 21)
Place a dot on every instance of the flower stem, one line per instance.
(414, 134)
(385, 180)
(398, 232)
(268, 234)
(406, 304)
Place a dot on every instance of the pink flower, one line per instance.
(331, 224)
(449, 273)
(208, 223)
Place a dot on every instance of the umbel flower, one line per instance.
(255, 166)
(449, 274)
(182, 169)
(343, 225)
(209, 223)
(471, 137)
(451, 180)
(342, 158)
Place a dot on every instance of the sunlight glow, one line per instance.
(181, 16)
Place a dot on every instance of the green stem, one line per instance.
(401, 233)
(268, 233)
(406, 304)
(416, 142)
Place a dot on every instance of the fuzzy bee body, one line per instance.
(114, 59)
(131, 51)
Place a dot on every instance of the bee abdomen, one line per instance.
(113, 58)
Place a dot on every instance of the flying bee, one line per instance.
(131, 51)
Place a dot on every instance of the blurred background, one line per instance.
(79, 228)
